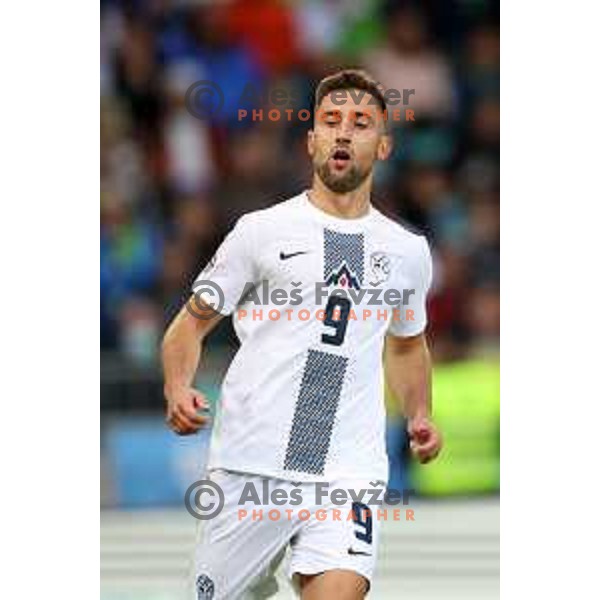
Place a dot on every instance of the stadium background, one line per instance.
(172, 186)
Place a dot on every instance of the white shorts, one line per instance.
(239, 550)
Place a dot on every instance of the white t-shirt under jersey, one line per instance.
(303, 398)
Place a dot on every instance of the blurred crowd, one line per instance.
(172, 185)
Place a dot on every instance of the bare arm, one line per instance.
(181, 350)
(408, 373)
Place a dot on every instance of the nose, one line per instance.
(346, 128)
(342, 140)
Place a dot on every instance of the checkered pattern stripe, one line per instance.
(205, 588)
(344, 248)
(318, 399)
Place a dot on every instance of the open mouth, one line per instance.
(341, 158)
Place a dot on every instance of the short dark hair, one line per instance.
(349, 79)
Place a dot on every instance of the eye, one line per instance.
(361, 121)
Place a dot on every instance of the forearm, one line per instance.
(408, 374)
(181, 350)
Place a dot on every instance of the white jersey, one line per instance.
(303, 397)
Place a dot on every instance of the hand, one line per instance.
(425, 440)
(183, 405)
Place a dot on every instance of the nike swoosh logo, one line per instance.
(358, 553)
(376, 483)
(284, 256)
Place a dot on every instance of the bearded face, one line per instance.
(340, 172)
(345, 143)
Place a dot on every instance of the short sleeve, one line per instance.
(225, 278)
(412, 309)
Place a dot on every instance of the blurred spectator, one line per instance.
(121, 158)
(202, 36)
(267, 28)
(484, 318)
(257, 168)
(407, 60)
(484, 240)
(448, 304)
(140, 325)
(192, 239)
(481, 68)
(188, 154)
(135, 74)
(130, 259)
(436, 205)
(337, 28)
(319, 25)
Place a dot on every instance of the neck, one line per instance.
(352, 205)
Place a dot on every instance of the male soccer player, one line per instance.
(302, 402)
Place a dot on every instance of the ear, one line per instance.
(385, 147)
(310, 142)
